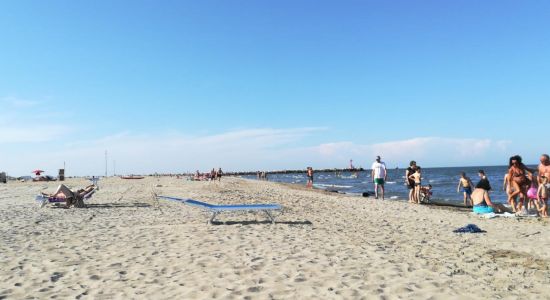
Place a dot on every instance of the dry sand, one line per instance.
(126, 245)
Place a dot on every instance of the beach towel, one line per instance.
(470, 228)
(493, 215)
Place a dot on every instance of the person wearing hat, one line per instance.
(378, 175)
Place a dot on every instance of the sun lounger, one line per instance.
(44, 200)
(217, 209)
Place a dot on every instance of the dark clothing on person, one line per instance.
(484, 184)
(410, 182)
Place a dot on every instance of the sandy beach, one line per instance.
(127, 245)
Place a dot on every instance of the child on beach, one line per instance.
(532, 193)
(542, 197)
(417, 178)
(466, 184)
(426, 193)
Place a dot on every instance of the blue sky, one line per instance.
(178, 85)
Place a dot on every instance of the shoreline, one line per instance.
(433, 202)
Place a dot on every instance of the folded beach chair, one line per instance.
(44, 200)
(217, 209)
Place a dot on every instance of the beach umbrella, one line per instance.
(37, 172)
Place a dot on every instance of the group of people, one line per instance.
(213, 175)
(413, 181)
(524, 189)
(478, 196)
(379, 177)
(261, 175)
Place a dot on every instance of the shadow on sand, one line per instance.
(107, 205)
(118, 205)
(261, 222)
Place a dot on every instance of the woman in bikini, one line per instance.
(63, 192)
(518, 179)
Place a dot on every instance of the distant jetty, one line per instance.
(245, 173)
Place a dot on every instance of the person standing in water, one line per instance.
(466, 183)
(309, 173)
(378, 175)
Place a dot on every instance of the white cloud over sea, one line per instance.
(246, 149)
(429, 151)
(33, 136)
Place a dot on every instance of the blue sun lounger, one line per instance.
(217, 209)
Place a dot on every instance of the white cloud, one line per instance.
(248, 149)
(36, 134)
(25, 121)
(432, 151)
(147, 153)
(17, 102)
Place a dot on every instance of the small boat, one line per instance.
(132, 177)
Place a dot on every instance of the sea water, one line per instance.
(443, 180)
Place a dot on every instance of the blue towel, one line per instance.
(470, 228)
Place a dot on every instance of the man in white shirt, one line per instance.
(378, 175)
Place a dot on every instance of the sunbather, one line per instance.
(63, 192)
(482, 200)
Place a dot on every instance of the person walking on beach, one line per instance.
(410, 182)
(378, 175)
(309, 173)
(466, 183)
